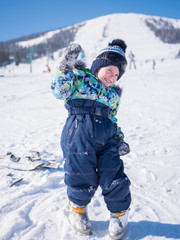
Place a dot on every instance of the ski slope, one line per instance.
(32, 119)
(96, 33)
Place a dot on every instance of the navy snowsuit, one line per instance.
(90, 146)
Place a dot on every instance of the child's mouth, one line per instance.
(108, 81)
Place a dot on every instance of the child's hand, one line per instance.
(73, 50)
(123, 148)
(71, 54)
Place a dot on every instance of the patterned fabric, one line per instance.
(82, 84)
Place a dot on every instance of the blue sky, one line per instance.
(24, 17)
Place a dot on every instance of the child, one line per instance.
(91, 140)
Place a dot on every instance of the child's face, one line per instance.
(108, 75)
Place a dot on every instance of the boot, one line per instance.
(78, 218)
(118, 224)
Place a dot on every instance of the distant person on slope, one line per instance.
(91, 141)
(48, 68)
(132, 60)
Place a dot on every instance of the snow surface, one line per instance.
(32, 119)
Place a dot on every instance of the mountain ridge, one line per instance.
(95, 32)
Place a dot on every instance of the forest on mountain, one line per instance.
(12, 51)
(164, 30)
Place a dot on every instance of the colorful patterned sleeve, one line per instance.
(62, 85)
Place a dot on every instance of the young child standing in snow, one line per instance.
(91, 141)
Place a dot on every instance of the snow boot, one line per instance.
(118, 224)
(79, 218)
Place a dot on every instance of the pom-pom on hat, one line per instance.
(113, 54)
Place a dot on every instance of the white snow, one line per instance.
(98, 32)
(41, 39)
(32, 119)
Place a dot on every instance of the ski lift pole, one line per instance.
(30, 61)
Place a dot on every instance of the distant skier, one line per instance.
(132, 60)
(91, 141)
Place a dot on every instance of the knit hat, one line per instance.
(114, 54)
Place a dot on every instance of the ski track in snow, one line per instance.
(32, 119)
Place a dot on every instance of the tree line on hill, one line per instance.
(11, 51)
(164, 30)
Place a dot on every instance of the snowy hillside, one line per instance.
(130, 27)
(96, 33)
(38, 40)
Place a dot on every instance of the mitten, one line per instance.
(71, 54)
(123, 148)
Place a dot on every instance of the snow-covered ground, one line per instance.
(32, 119)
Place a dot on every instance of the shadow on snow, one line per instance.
(142, 229)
